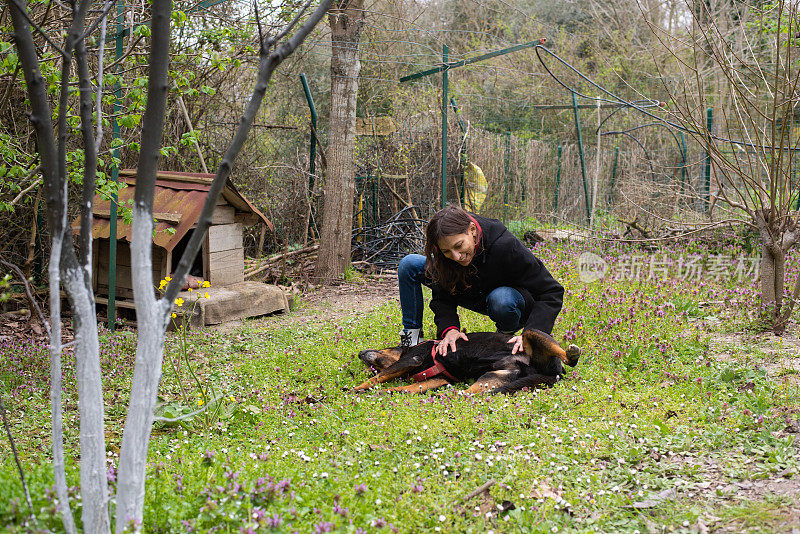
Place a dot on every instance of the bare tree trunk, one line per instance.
(41, 120)
(346, 19)
(153, 314)
(769, 281)
(78, 283)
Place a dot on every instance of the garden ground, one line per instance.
(682, 416)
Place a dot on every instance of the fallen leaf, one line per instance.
(657, 499)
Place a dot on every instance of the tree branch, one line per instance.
(100, 75)
(101, 20)
(40, 118)
(23, 10)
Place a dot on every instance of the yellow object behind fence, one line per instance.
(360, 216)
(475, 187)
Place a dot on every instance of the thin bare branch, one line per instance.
(294, 22)
(23, 10)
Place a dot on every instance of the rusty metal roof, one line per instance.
(177, 203)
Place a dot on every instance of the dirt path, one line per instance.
(348, 300)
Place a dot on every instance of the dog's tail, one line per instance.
(530, 381)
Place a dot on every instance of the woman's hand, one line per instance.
(449, 340)
(517, 341)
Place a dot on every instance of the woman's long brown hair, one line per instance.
(451, 276)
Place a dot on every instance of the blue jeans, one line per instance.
(504, 305)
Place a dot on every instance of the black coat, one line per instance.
(501, 260)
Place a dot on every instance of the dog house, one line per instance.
(177, 203)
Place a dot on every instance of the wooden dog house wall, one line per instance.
(177, 203)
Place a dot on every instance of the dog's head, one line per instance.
(542, 348)
(381, 359)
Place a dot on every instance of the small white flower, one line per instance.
(442, 518)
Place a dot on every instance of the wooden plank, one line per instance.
(123, 252)
(174, 177)
(226, 277)
(95, 264)
(224, 237)
(227, 259)
(160, 267)
(159, 216)
(128, 304)
(224, 215)
(124, 276)
(122, 292)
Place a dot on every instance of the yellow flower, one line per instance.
(233, 399)
(168, 279)
(205, 283)
(174, 315)
(207, 295)
(190, 290)
(200, 403)
(179, 302)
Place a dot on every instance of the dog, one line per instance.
(486, 357)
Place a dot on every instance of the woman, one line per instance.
(476, 263)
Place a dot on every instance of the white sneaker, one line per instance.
(410, 337)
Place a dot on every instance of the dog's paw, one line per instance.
(573, 355)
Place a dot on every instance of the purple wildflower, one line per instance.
(274, 521)
(325, 526)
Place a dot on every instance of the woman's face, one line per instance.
(460, 247)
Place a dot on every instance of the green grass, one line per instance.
(648, 408)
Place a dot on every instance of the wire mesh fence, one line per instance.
(497, 174)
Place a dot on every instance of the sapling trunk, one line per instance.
(153, 314)
(40, 118)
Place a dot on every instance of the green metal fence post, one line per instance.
(462, 151)
(445, 51)
(683, 165)
(613, 177)
(312, 146)
(587, 200)
(707, 162)
(111, 309)
(558, 186)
